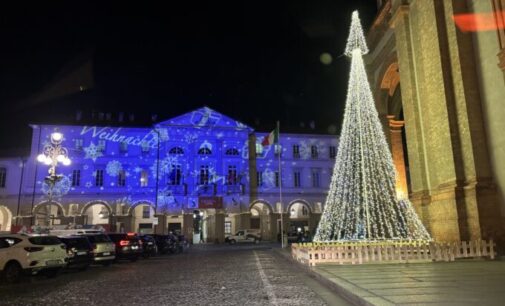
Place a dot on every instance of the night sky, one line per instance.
(255, 61)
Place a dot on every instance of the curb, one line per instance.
(345, 293)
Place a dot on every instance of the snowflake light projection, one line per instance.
(362, 203)
(92, 152)
(268, 178)
(113, 168)
(166, 166)
(61, 188)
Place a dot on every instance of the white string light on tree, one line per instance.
(362, 203)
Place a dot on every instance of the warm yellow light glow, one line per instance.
(41, 158)
(56, 136)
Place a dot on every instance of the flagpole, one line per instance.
(280, 182)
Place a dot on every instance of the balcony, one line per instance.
(206, 189)
(181, 189)
(234, 189)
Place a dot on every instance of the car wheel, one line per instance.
(107, 263)
(233, 241)
(256, 241)
(133, 259)
(12, 272)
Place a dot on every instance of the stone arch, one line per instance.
(96, 202)
(302, 201)
(5, 218)
(264, 202)
(132, 207)
(43, 203)
(390, 78)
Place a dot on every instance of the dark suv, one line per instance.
(79, 250)
(128, 246)
(149, 246)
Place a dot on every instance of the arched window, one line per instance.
(204, 151)
(232, 151)
(176, 150)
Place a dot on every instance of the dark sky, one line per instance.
(252, 60)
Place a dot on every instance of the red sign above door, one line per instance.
(210, 202)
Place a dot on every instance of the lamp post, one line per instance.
(53, 153)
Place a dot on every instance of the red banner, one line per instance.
(210, 202)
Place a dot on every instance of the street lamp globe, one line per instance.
(47, 161)
(66, 162)
(56, 137)
(41, 158)
(60, 158)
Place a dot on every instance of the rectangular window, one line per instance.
(76, 178)
(144, 179)
(3, 177)
(227, 227)
(123, 147)
(121, 178)
(232, 175)
(146, 211)
(316, 178)
(296, 151)
(144, 148)
(296, 178)
(333, 152)
(259, 149)
(313, 152)
(101, 145)
(99, 178)
(175, 175)
(278, 149)
(78, 144)
(204, 175)
(259, 178)
(277, 181)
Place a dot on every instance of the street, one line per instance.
(205, 275)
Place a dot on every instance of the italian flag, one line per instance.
(271, 138)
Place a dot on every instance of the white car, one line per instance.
(32, 254)
(246, 235)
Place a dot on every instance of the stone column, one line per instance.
(161, 228)
(187, 226)
(395, 129)
(313, 222)
(243, 221)
(425, 105)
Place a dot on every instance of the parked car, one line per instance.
(79, 250)
(246, 235)
(149, 246)
(104, 250)
(30, 254)
(128, 246)
(163, 243)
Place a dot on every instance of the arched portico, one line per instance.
(143, 217)
(299, 217)
(97, 213)
(5, 219)
(46, 213)
(261, 218)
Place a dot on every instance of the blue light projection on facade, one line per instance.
(172, 165)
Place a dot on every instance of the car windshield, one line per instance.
(98, 238)
(77, 242)
(45, 240)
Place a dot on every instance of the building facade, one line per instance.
(439, 88)
(161, 178)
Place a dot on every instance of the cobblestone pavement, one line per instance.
(238, 275)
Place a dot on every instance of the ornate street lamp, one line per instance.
(53, 154)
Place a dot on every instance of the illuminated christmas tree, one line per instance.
(362, 203)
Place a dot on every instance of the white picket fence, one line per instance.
(389, 252)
